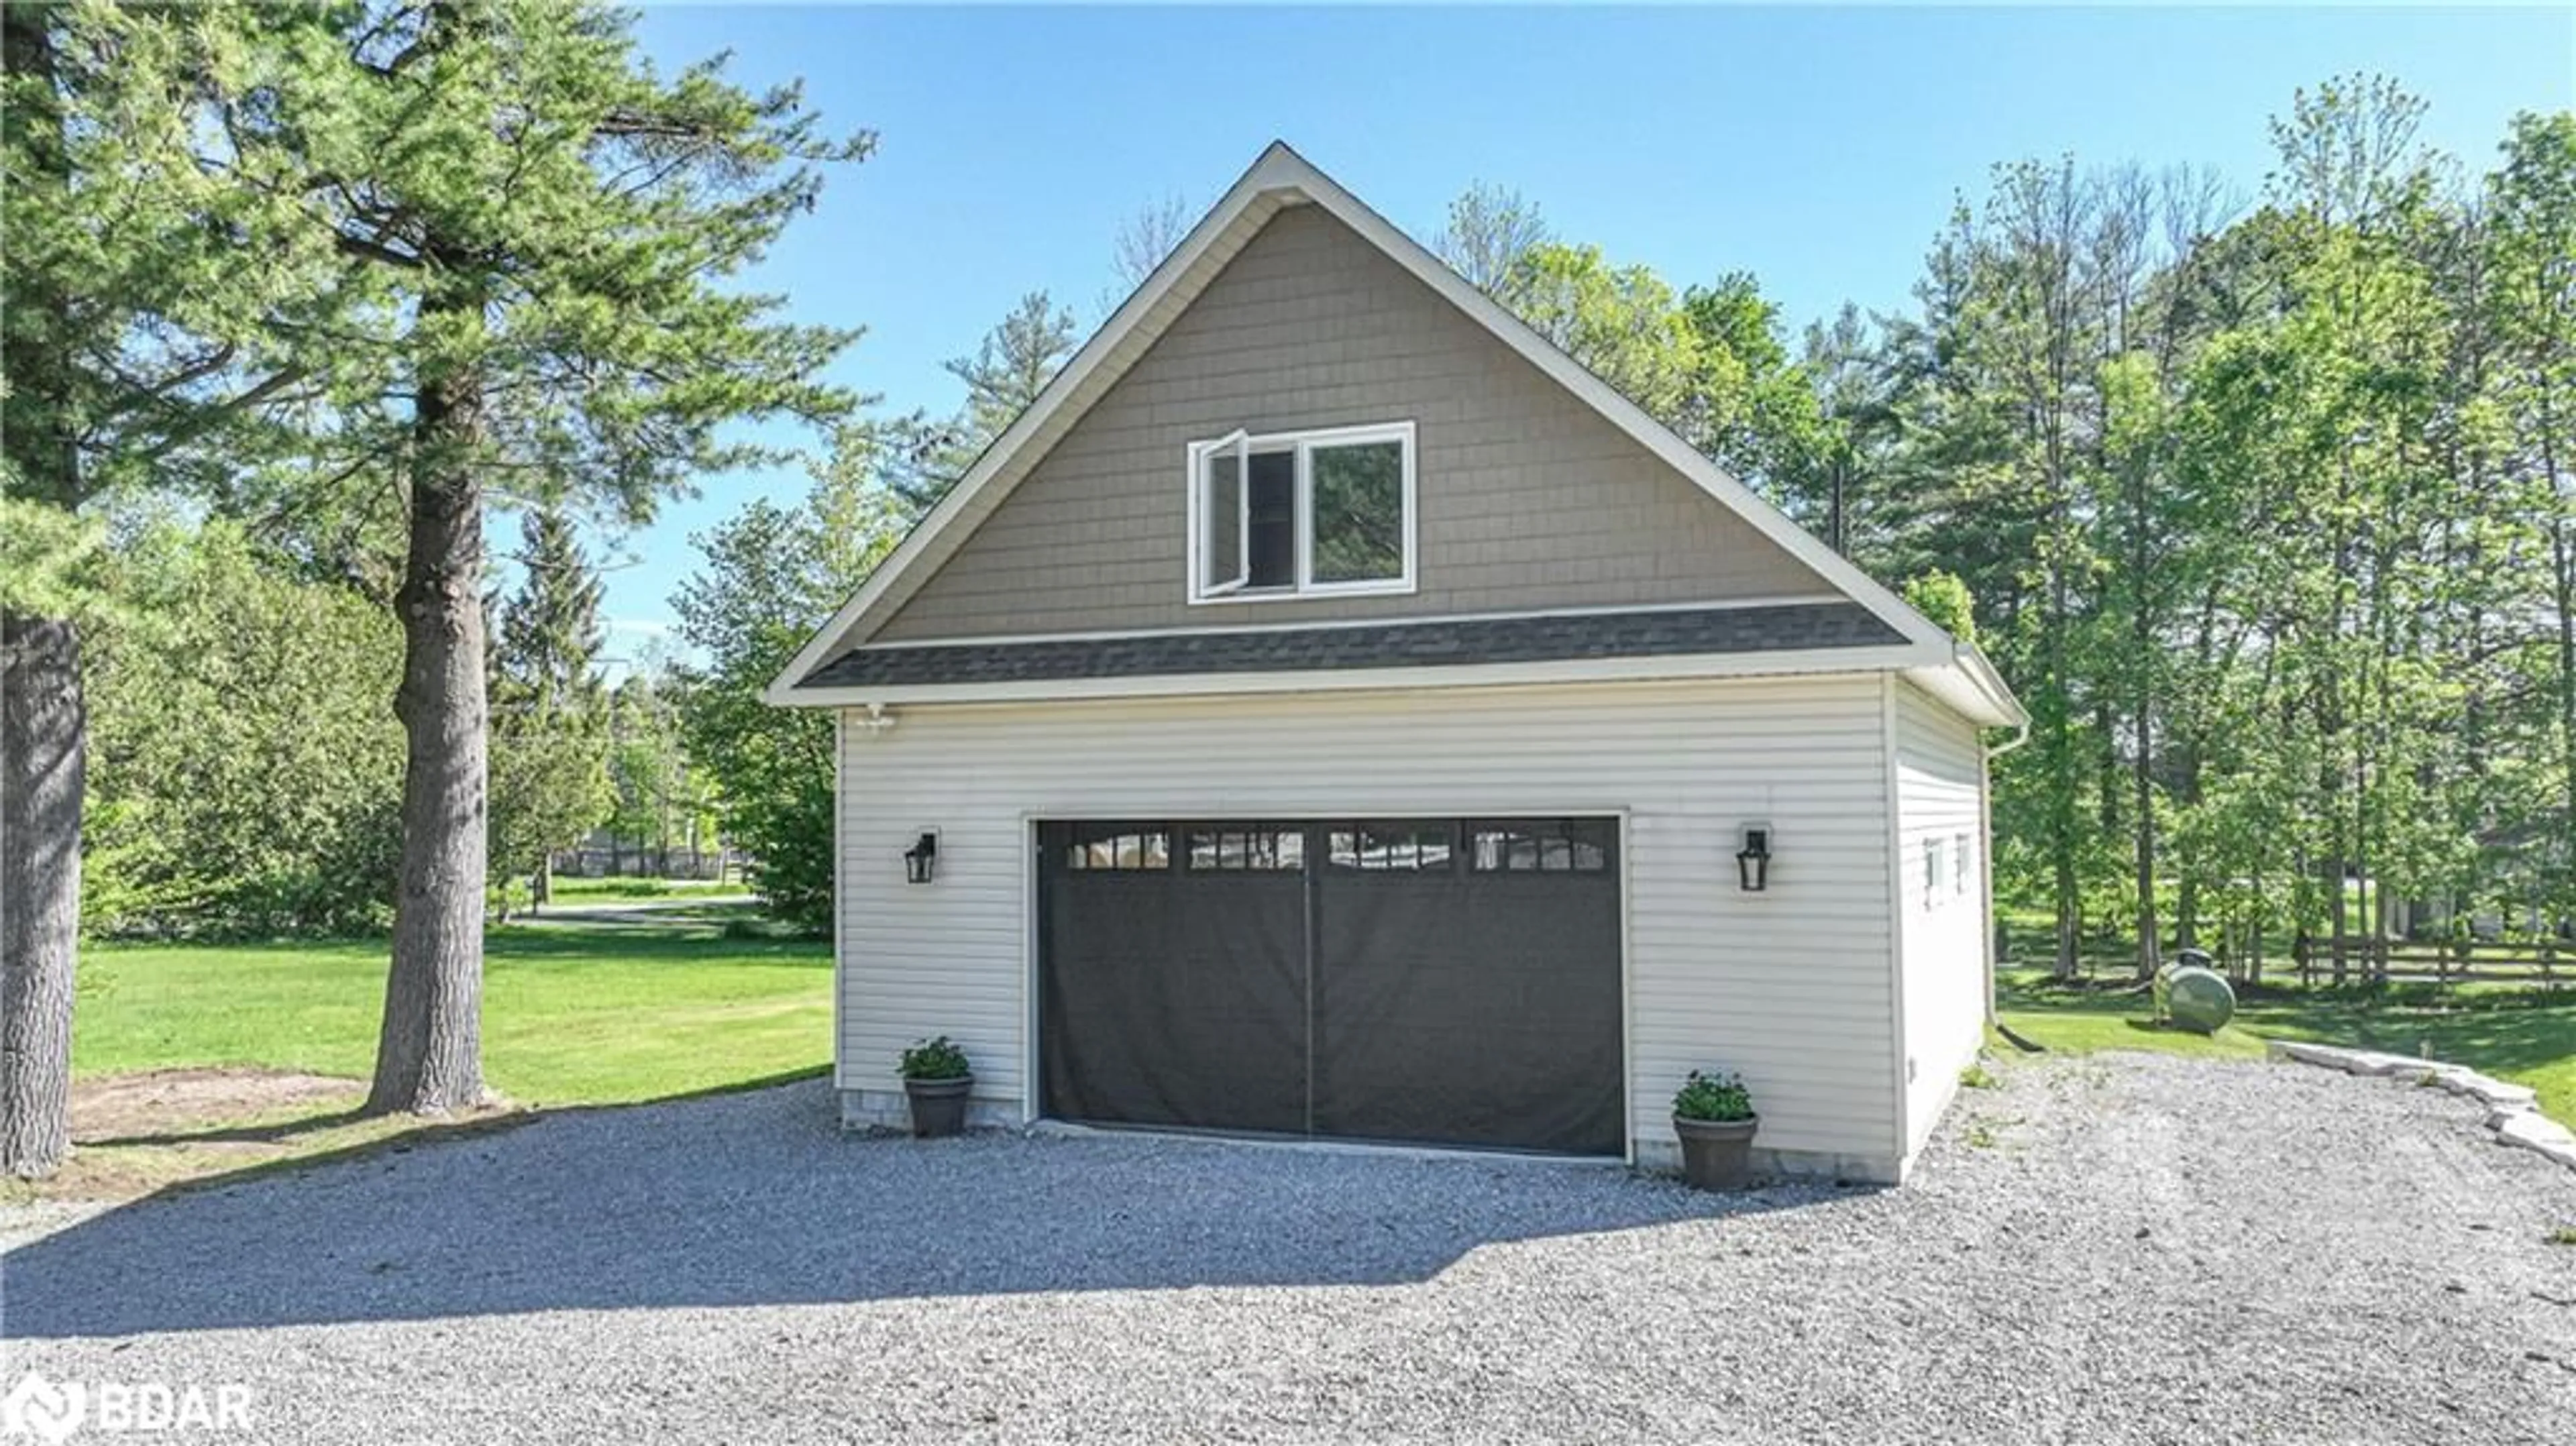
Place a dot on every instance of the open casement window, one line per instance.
(1302, 513)
(1224, 515)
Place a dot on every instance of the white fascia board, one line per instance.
(1894, 657)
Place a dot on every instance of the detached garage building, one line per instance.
(1330, 711)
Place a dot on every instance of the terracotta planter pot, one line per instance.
(938, 1105)
(1717, 1154)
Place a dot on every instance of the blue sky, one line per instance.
(1819, 148)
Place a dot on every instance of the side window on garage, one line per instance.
(1541, 846)
(1245, 848)
(1399, 846)
(1128, 847)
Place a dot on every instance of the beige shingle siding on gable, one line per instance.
(1529, 499)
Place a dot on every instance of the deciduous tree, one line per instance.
(1489, 234)
(770, 577)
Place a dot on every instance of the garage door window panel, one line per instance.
(1397, 847)
(1117, 848)
(1223, 848)
(1554, 846)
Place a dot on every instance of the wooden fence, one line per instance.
(2445, 961)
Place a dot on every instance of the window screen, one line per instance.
(1270, 555)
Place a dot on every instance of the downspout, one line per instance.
(840, 910)
(1901, 1059)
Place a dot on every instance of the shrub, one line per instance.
(1943, 598)
(245, 775)
(937, 1058)
(1713, 1097)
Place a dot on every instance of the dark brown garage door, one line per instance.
(1440, 981)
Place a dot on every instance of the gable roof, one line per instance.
(1281, 178)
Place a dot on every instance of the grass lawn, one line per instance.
(572, 1015)
(2513, 1034)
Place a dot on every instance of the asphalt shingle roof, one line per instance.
(1434, 643)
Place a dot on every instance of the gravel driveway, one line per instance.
(2129, 1248)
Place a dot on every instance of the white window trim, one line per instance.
(1304, 444)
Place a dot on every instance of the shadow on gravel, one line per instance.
(758, 1199)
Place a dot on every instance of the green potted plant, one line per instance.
(936, 1080)
(1714, 1116)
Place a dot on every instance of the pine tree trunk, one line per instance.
(43, 717)
(43, 758)
(429, 1054)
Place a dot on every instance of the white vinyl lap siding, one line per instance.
(1792, 987)
(1939, 799)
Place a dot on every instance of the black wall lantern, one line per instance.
(921, 861)
(1753, 860)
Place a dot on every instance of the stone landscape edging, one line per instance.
(2513, 1111)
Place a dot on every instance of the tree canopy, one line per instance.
(771, 575)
